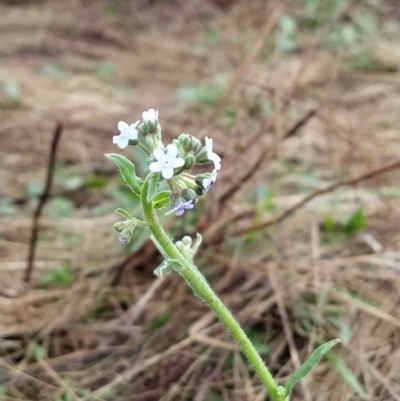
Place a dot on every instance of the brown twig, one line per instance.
(299, 124)
(349, 182)
(42, 201)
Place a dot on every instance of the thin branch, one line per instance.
(315, 194)
(42, 201)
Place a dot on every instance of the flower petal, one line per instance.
(123, 126)
(178, 162)
(159, 154)
(133, 134)
(134, 125)
(116, 139)
(172, 151)
(209, 144)
(180, 212)
(167, 172)
(123, 142)
(217, 165)
(155, 167)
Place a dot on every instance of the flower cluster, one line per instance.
(170, 164)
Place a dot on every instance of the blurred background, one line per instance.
(301, 230)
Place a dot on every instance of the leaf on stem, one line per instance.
(127, 170)
(123, 213)
(166, 266)
(154, 184)
(161, 199)
(307, 366)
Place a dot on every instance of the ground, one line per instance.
(301, 230)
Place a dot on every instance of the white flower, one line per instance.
(150, 115)
(166, 161)
(207, 182)
(180, 209)
(211, 155)
(127, 132)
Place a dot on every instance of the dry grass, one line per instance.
(290, 287)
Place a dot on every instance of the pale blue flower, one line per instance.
(180, 209)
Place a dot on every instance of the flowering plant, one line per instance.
(170, 165)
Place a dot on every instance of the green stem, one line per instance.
(199, 285)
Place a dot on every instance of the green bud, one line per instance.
(189, 194)
(149, 128)
(125, 236)
(187, 241)
(189, 161)
(202, 157)
(189, 143)
(119, 226)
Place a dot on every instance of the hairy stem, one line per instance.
(201, 288)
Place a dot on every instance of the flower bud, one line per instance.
(187, 241)
(189, 195)
(189, 161)
(202, 157)
(119, 226)
(149, 128)
(200, 177)
(189, 143)
(126, 235)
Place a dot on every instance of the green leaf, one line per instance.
(104, 69)
(123, 213)
(208, 95)
(287, 24)
(96, 182)
(39, 352)
(35, 189)
(60, 207)
(127, 170)
(154, 184)
(7, 208)
(307, 366)
(328, 224)
(53, 70)
(60, 276)
(161, 320)
(258, 342)
(346, 374)
(355, 223)
(165, 267)
(161, 199)
(13, 91)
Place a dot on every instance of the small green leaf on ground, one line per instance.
(35, 189)
(53, 70)
(355, 223)
(307, 366)
(208, 95)
(39, 352)
(60, 276)
(96, 182)
(13, 92)
(60, 207)
(258, 341)
(160, 320)
(347, 375)
(104, 69)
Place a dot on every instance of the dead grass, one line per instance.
(290, 287)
